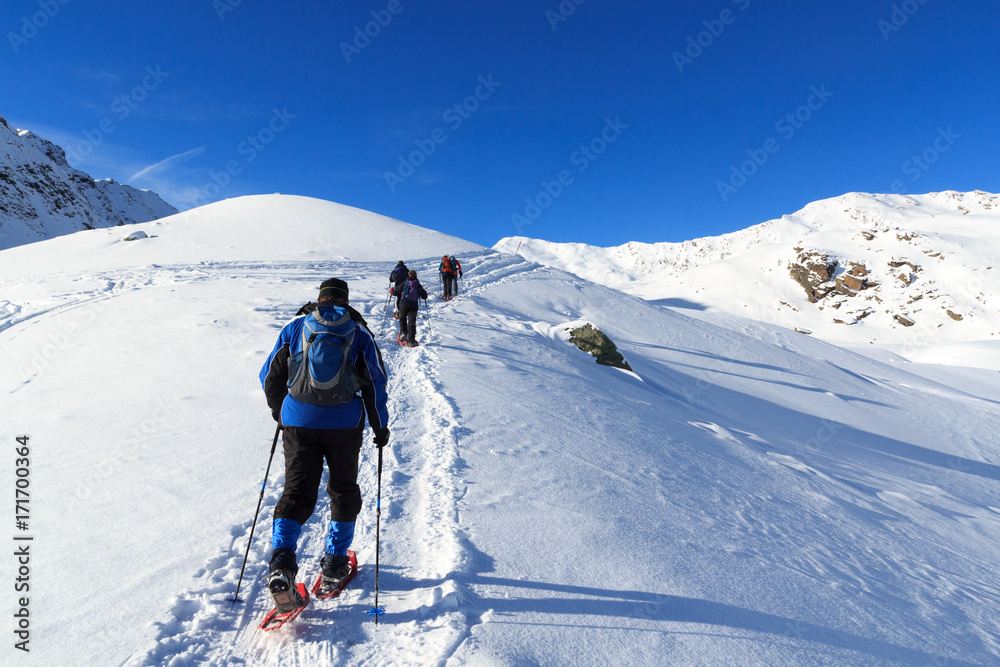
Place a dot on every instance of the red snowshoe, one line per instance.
(287, 607)
(326, 592)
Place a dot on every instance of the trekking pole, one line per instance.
(274, 445)
(384, 317)
(427, 317)
(376, 610)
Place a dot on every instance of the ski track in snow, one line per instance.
(423, 553)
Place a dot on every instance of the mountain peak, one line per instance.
(43, 196)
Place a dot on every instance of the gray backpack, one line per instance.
(322, 372)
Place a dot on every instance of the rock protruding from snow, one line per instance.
(42, 196)
(592, 340)
(812, 270)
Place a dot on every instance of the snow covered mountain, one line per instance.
(748, 495)
(916, 275)
(41, 196)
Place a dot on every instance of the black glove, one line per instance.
(276, 415)
(382, 437)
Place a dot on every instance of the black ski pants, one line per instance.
(408, 320)
(448, 279)
(398, 290)
(305, 450)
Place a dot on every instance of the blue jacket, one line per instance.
(367, 363)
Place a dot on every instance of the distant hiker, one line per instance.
(447, 270)
(458, 269)
(311, 379)
(396, 279)
(412, 292)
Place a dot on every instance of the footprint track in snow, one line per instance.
(422, 553)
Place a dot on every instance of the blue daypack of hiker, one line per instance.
(321, 372)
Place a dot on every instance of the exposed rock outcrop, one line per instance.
(591, 339)
(812, 270)
(42, 196)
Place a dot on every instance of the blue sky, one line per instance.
(581, 120)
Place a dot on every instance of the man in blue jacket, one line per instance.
(322, 418)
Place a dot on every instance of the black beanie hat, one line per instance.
(400, 263)
(333, 288)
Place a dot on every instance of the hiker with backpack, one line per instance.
(412, 292)
(457, 265)
(323, 377)
(447, 270)
(396, 279)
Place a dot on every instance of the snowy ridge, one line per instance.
(42, 196)
(256, 228)
(932, 264)
(748, 491)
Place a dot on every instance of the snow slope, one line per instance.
(748, 496)
(42, 196)
(255, 228)
(932, 264)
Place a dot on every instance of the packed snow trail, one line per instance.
(422, 549)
